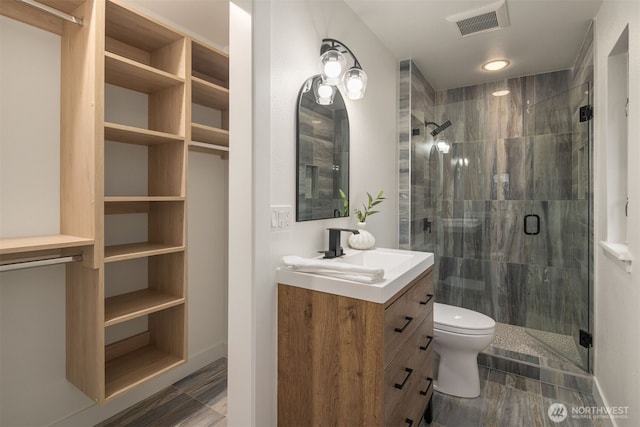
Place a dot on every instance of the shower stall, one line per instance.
(506, 206)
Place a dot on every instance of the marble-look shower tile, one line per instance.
(449, 285)
(479, 166)
(502, 115)
(551, 305)
(552, 108)
(473, 227)
(476, 116)
(512, 169)
(515, 104)
(579, 96)
(504, 232)
(522, 383)
(404, 154)
(528, 102)
(452, 174)
(550, 85)
(552, 167)
(455, 113)
(450, 234)
(496, 348)
(477, 292)
(423, 95)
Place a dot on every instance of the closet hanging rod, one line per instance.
(17, 264)
(55, 12)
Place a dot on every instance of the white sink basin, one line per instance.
(377, 258)
(400, 268)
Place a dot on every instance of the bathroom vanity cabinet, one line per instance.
(346, 361)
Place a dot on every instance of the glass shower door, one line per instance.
(557, 224)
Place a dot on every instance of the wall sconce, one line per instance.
(334, 68)
(323, 92)
(442, 145)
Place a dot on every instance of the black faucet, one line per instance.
(335, 250)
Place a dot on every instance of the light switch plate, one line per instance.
(281, 217)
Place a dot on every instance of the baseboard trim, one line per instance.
(602, 401)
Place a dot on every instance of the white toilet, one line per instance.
(459, 335)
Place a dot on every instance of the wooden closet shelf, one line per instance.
(210, 135)
(127, 205)
(124, 72)
(130, 27)
(209, 148)
(15, 245)
(132, 135)
(131, 369)
(121, 308)
(207, 61)
(130, 199)
(209, 94)
(138, 250)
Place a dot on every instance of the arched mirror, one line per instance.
(322, 152)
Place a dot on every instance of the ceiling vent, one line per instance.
(487, 18)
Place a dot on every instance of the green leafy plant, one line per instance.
(362, 214)
(345, 203)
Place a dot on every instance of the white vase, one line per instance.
(363, 240)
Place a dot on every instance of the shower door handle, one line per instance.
(532, 224)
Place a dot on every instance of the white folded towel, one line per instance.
(335, 269)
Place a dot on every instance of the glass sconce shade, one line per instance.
(334, 64)
(442, 145)
(355, 81)
(323, 92)
(333, 59)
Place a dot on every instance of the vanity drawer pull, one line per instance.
(429, 298)
(409, 320)
(426, 346)
(408, 421)
(409, 371)
(426, 390)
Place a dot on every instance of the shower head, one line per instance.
(439, 128)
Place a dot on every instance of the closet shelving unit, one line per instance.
(75, 235)
(118, 46)
(210, 88)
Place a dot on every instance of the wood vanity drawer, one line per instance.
(408, 374)
(404, 315)
(339, 358)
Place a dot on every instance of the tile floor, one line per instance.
(197, 400)
(511, 401)
(506, 400)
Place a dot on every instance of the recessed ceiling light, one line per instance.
(496, 65)
(501, 92)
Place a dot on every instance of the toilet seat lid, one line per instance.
(461, 320)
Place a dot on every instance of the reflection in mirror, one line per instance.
(322, 155)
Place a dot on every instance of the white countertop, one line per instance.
(402, 267)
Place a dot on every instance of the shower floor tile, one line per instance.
(518, 343)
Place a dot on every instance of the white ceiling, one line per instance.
(207, 20)
(544, 35)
